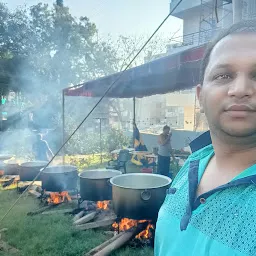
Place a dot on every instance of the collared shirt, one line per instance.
(221, 222)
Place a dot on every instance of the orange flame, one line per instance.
(145, 234)
(126, 224)
(103, 205)
(58, 197)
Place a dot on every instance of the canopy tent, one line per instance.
(172, 73)
(175, 72)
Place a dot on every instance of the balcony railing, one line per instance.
(193, 39)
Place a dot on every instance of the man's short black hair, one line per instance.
(166, 127)
(245, 26)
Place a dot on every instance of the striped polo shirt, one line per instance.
(221, 222)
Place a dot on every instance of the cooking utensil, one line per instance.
(29, 170)
(11, 167)
(95, 185)
(139, 196)
(59, 178)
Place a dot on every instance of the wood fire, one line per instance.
(126, 224)
(103, 205)
(58, 197)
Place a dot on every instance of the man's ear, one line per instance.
(199, 97)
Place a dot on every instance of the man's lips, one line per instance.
(240, 108)
(239, 111)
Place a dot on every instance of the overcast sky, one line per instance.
(115, 17)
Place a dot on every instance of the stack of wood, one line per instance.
(116, 242)
(85, 220)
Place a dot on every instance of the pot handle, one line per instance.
(145, 195)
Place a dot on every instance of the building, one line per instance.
(202, 19)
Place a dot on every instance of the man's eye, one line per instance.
(253, 75)
(222, 76)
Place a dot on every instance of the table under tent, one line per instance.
(175, 72)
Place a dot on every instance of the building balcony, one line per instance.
(187, 5)
(185, 42)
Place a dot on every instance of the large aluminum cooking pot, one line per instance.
(59, 178)
(29, 170)
(139, 196)
(95, 186)
(11, 167)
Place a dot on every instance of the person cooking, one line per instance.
(41, 149)
(165, 152)
(210, 208)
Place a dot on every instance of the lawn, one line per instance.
(53, 235)
(49, 235)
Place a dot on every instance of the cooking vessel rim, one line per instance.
(46, 170)
(100, 170)
(168, 180)
(27, 162)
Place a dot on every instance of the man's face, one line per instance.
(166, 131)
(228, 93)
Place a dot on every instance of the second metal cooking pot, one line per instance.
(95, 186)
(139, 196)
(59, 178)
(29, 170)
(11, 167)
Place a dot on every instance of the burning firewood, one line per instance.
(96, 224)
(116, 242)
(86, 218)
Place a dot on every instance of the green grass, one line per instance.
(49, 235)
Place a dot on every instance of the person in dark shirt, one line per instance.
(41, 149)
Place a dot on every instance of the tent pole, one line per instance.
(134, 110)
(63, 126)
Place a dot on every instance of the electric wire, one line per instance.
(98, 102)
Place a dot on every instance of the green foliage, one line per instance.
(53, 48)
(89, 143)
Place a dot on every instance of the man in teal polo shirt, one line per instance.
(210, 210)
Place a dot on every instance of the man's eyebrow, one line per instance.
(219, 66)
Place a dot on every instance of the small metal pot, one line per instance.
(29, 170)
(139, 196)
(95, 185)
(59, 178)
(11, 167)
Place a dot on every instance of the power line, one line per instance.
(99, 101)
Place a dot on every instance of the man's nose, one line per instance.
(241, 87)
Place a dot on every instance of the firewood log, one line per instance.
(96, 224)
(78, 216)
(86, 218)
